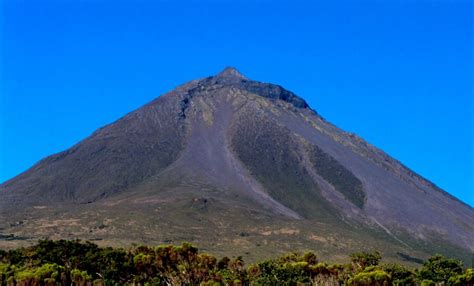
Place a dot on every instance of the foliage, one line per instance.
(52, 263)
(439, 269)
(371, 276)
(361, 260)
(400, 274)
(467, 278)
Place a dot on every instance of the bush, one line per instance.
(439, 269)
(86, 264)
(400, 274)
(361, 260)
(467, 278)
(371, 277)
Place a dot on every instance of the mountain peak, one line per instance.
(212, 159)
(230, 73)
(232, 77)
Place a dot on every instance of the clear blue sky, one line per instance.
(398, 73)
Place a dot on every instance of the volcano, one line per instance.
(234, 166)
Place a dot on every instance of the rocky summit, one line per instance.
(234, 166)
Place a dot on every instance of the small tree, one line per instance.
(400, 274)
(467, 278)
(439, 269)
(361, 260)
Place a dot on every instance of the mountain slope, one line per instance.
(227, 161)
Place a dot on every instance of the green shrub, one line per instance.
(427, 283)
(84, 264)
(80, 277)
(363, 259)
(439, 269)
(373, 277)
(467, 278)
(400, 274)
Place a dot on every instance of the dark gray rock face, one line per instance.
(226, 155)
(232, 78)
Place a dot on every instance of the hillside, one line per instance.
(234, 166)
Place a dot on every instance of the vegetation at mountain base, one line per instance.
(66, 262)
